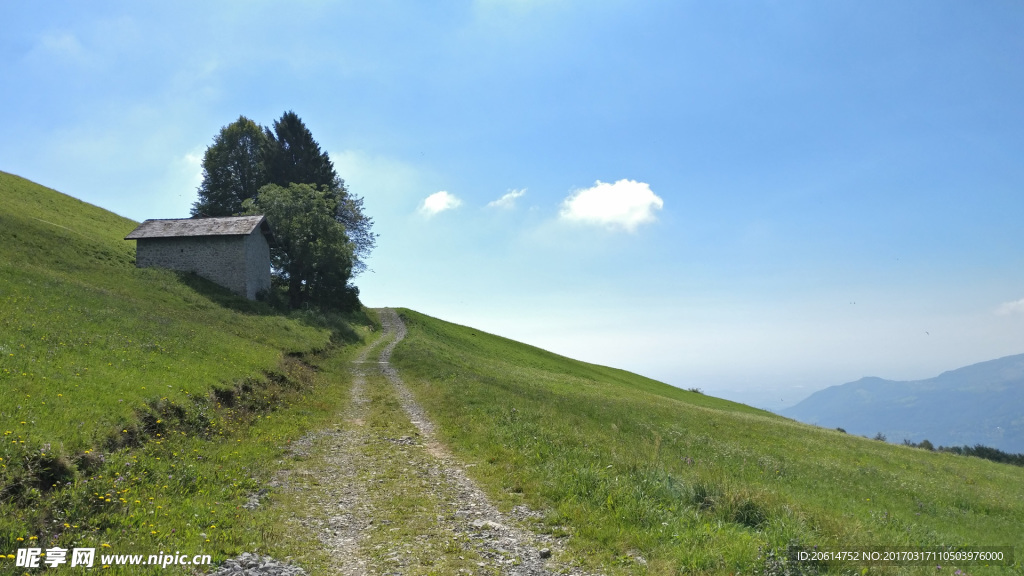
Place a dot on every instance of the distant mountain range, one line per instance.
(978, 404)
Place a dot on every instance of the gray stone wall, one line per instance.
(239, 263)
(257, 264)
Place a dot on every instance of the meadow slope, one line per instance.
(659, 480)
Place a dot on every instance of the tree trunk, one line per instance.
(294, 291)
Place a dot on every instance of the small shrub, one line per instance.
(89, 462)
(925, 444)
(224, 396)
(705, 495)
(52, 470)
(126, 436)
(880, 437)
(749, 513)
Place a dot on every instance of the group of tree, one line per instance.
(322, 235)
(978, 450)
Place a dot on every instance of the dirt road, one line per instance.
(385, 496)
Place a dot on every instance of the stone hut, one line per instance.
(232, 251)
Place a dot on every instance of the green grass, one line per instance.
(138, 407)
(688, 482)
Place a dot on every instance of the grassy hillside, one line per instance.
(139, 408)
(636, 469)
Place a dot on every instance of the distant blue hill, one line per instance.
(978, 404)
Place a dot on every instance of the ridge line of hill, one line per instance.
(967, 406)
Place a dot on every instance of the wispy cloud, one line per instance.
(508, 201)
(625, 204)
(439, 202)
(62, 44)
(1014, 307)
(389, 178)
(189, 169)
(515, 6)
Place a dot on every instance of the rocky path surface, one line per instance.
(331, 486)
(385, 496)
(495, 536)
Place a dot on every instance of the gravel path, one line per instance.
(351, 471)
(332, 484)
(346, 492)
(497, 537)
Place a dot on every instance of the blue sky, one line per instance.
(759, 199)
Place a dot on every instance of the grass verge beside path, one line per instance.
(651, 479)
(186, 491)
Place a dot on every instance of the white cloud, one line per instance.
(439, 202)
(192, 164)
(1015, 307)
(508, 201)
(519, 7)
(177, 190)
(625, 204)
(63, 45)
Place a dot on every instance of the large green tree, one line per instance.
(233, 169)
(294, 156)
(313, 254)
(245, 156)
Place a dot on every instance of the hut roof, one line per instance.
(225, 226)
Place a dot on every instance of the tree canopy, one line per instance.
(233, 169)
(313, 255)
(244, 157)
(323, 234)
(294, 156)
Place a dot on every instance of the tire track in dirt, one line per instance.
(403, 505)
(338, 492)
(495, 536)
